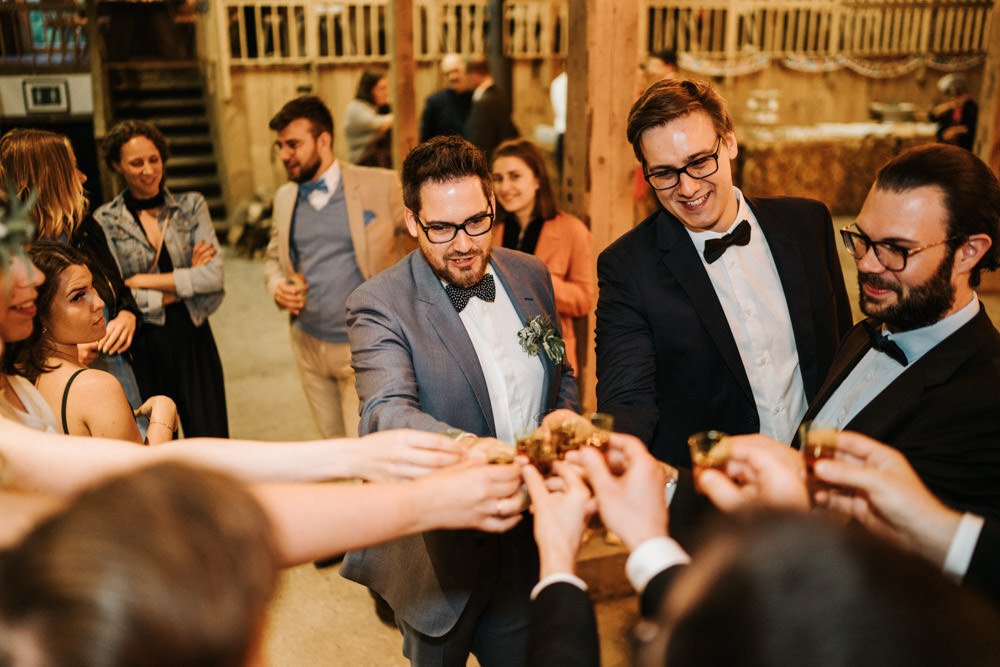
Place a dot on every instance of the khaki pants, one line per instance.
(328, 382)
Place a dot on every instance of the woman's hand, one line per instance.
(203, 253)
(399, 455)
(162, 414)
(118, 336)
(87, 352)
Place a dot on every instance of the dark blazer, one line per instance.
(942, 413)
(667, 363)
(489, 121)
(417, 368)
(563, 628)
(445, 113)
(984, 569)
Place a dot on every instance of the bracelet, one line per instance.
(164, 424)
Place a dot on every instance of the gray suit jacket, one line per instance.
(417, 368)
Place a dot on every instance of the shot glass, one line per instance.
(710, 449)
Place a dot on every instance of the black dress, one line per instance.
(180, 360)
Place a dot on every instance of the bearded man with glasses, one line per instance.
(922, 372)
(719, 311)
(435, 347)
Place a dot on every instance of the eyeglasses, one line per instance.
(889, 255)
(442, 232)
(703, 167)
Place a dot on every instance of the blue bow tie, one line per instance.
(313, 186)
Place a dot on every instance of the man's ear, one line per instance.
(970, 252)
(411, 222)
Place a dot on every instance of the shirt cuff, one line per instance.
(963, 544)
(652, 557)
(557, 578)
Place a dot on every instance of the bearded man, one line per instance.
(334, 226)
(441, 342)
(923, 371)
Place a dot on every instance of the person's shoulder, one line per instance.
(356, 172)
(782, 207)
(109, 209)
(639, 239)
(397, 279)
(96, 383)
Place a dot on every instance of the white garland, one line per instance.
(873, 69)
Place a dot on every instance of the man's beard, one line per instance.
(456, 277)
(306, 172)
(925, 304)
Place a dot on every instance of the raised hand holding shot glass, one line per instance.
(816, 441)
(710, 449)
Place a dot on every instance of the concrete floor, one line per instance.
(318, 618)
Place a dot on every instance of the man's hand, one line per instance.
(888, 497)
(631, 503)
(399, 455)
(119, 333)
(202, 253)
(760, 471)
(291, 296)
(561, 507)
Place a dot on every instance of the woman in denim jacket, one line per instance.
(168, 254)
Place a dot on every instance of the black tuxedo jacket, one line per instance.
(667, 363)
(942, 413)
(984, 569)
(445, 113)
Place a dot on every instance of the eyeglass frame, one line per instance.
(684, 169)
(476, 218)
(846, 233)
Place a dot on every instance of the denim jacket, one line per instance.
(186, 216)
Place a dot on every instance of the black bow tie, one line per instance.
(484, 289)
(715, 247)
(881, 342)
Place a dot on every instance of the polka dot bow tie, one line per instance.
(484, 289)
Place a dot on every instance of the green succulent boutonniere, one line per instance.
(539, 334)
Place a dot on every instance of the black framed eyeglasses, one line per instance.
(889, 255)
(703, 167)
(442, 232)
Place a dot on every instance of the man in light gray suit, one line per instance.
(435, 346)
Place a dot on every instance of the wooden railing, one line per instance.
(282, 32)
(776, 28)
(297, 31)
(50, 33)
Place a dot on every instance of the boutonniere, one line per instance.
(539, 334)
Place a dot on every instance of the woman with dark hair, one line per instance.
(528, 220)
(367, 122)
(43, 162)
(69, 313)
(166, 247)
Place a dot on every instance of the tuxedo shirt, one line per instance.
(746, 281)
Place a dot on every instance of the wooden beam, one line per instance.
(987, 145)
(603, 82)
(402, 77)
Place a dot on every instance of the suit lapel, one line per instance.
(854, 347)
(445, 322)
(284, 209)
(356, 217)
(686, 267)
(791, 272)
(527, 306)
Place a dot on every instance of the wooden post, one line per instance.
(602, 70)
(100, 97)
(987, 144)
(401, 80)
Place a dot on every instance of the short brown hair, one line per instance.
(122, 132)
(672, 98)
(169, 565)
(440, 160)
(527, 152)
(309, 107)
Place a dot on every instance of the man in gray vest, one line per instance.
(334, 226)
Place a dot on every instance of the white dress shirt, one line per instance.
(878, 370)
(514, 378)
(317, 198)
(746, 282)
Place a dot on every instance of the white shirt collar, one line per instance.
(918, 342)
(743, 212)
